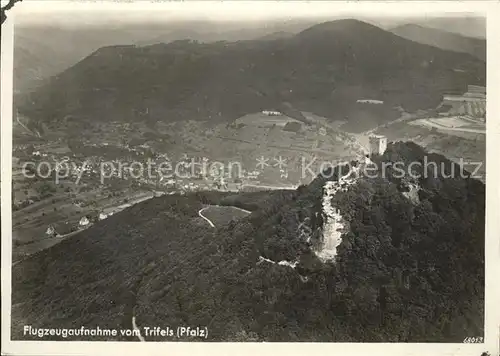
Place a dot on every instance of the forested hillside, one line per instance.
(408, 270)
(324, 69)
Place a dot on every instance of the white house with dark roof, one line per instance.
(51, 231)
(84, 221)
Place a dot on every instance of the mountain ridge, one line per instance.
(185, 80)
(443, 39)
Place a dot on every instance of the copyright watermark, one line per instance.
(307, 169)
(398, 169)
(149, 170)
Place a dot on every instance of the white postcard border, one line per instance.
(492, 248)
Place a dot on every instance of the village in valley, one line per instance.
(57, 192)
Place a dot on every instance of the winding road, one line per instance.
(27, 129)
(134, 325)
(427, 123)
(200, 212)
(203, 217)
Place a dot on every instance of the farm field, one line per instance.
(457, 145)
(30, 224)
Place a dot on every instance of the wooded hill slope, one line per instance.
(324, 69)
(405, 271)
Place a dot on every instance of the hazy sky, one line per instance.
(67, 13)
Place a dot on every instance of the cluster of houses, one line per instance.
(214, 176)
(38, 154)
(252, 175)
(55, 230)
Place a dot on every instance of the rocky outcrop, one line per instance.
(333, 222)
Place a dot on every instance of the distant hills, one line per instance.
(277, 35)
(35, 61)
(323, 69)
(40, 53)
(406, 270)
(45, 51)
(468, 26)
(48, 50)
(443, 39)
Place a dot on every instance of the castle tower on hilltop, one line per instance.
(378, 144)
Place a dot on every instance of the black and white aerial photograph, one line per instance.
(195, 175)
